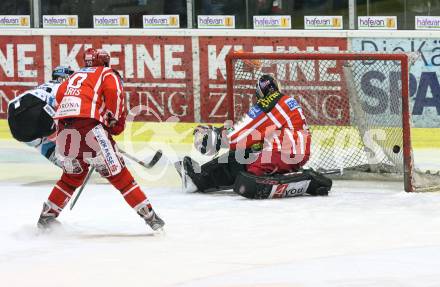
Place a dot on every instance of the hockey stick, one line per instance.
(157, 156)
(325, 172)
(72, 204)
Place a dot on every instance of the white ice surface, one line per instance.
(363, 234)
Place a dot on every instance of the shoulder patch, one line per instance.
(291, 103)
(254, 111)
(88, 70)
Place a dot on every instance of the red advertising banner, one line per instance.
(183, 76)
(21, 66)
(213, 51)
(157, 71)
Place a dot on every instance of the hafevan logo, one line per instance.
(377, 22)
(323, 22)
(60, 21)
(428, 22)
(272, 22)
(161, 21)
(15, 21)
(111, 21)
(216, 22)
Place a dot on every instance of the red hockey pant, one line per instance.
(82, 141)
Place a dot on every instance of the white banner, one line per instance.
(272, 22)
(60, 21)
(427, 22)
(15, 21)
(111, 21)
(215, 22)
(377, 22)
(323, 22)
(161, 21)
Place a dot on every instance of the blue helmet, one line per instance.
(266, 85)
(61, 73)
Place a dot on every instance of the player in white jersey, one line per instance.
(30, 115)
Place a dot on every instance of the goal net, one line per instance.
(356, 104)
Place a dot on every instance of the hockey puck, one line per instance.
(396, 149)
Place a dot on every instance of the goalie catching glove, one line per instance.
(208, 139)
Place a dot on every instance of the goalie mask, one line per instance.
(266, 85)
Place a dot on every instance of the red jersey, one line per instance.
(92, 92)
(276, 123)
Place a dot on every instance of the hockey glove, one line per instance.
(115, 127)
(207, 139)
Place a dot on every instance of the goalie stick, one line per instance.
(157, 156)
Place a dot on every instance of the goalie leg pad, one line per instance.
(217, 174)
(281, 185)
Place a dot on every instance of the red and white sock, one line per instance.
(60, 196)
(130, 190)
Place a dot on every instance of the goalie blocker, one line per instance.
(225, 172)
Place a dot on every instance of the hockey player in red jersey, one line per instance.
(277, 126)
(91, 108)
(267, 149)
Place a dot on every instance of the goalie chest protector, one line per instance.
(29, 118)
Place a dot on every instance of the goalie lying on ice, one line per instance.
(267, 148)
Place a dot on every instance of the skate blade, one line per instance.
(159, 232)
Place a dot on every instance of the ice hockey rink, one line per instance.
(363, 234)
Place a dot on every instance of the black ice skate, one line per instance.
(323, 183)
(47, 218)
(151, 218)
(321, 191)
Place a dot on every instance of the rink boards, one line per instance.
(182, 133)
(182, 73)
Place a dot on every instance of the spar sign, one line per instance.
(325, 105)
(21, 66)
(424, 75)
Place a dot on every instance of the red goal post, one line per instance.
(358, 82)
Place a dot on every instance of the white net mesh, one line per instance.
(353, 105)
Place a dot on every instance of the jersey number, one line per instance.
(76, 80)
